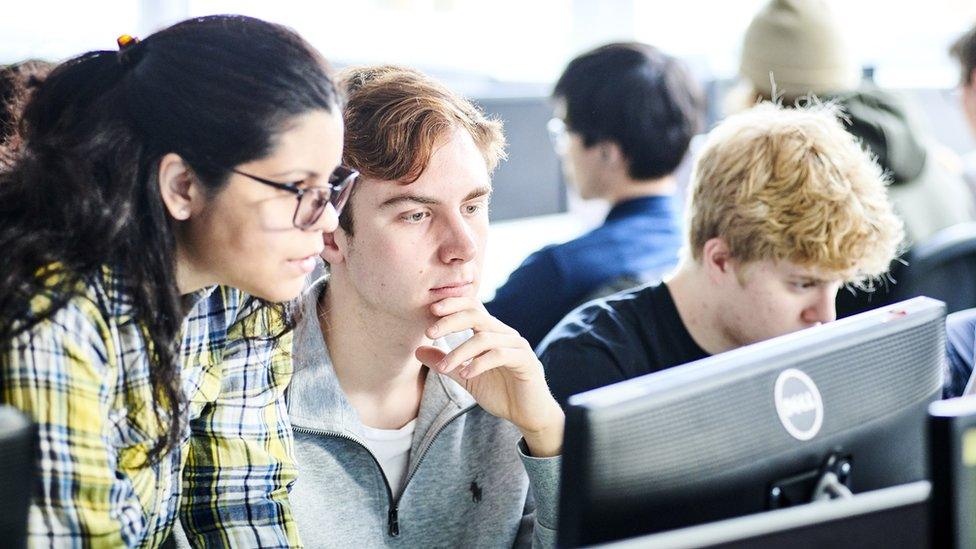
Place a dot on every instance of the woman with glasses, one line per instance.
(167, 194)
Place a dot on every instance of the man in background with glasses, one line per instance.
(625, 115)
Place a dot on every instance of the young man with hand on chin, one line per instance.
(419, 419)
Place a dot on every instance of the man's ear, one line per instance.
(335, 245)
(181, 192)
(717, 260)
(611, 154)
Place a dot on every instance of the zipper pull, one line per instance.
(394, 522)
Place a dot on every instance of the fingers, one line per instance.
(450, 305)
(493, 344)
(464, 314)
(479, 344)
(470, 319)
(495, 358)
(429, 356)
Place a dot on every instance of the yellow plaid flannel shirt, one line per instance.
(83, 377)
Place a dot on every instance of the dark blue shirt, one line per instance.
(639, 239)
(960, 351)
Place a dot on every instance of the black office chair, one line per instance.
(943, 267)
(18, 442)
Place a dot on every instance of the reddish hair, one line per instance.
(394, 119)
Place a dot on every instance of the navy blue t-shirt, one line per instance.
(639, 239)
(619, 337)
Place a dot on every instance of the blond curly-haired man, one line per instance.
(785, 208)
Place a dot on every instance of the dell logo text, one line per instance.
(798, 404)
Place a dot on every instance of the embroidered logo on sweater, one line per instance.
(475, 491)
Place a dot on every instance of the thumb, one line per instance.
(429, 355)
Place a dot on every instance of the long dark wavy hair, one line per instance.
(84, 193)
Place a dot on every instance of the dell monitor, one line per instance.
(838, 408)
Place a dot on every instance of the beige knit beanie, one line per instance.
(799, 42)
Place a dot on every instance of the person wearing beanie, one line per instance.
(794, 49)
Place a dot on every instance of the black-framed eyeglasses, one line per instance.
(313, 200)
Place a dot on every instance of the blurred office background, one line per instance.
(506, 55)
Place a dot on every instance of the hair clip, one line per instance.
(128, 55)
(126, 40)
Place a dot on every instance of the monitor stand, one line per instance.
(830, 481)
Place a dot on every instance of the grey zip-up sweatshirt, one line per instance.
(470, 481)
